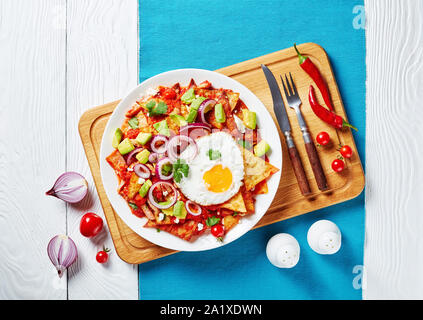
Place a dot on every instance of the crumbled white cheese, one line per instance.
(151, 92)
(223, 220)
(130, 169)
(240, 125)
(176, 220)
(141, 181)
(200, 226)
(165, 193)
(161, 216)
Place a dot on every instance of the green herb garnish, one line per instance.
(214, 154)
(234, 214)
(133, 205)
(156, 109)
(180, 169)
(150, 105)
(211, 221)
(133, 123)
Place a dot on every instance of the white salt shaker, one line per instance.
(324, 237)
(283, 250)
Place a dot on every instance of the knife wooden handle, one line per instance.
(316, 166)
(299, 171)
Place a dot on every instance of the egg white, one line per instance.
(193, 186)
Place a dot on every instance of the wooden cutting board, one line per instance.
(288, 201)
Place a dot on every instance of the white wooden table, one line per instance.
(60, 57)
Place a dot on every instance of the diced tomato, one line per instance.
(139, 201)
(226, 212)
(138, 212)
(132, 133)
(169, 94)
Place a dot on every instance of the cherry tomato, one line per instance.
(346, 152)
(338, 165)
(91, 224)
(102, 256)
(218, 231)
(323, 138)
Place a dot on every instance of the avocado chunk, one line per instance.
(261, 148)
(188, 96)
(179, 210)
(145, 187)
(219, 113)
(143, 137)
(197, 103)
(142, 156)
(250, 119)
(178, 119)
(125, 146)
(192, 115)
(168, 211)
(162, 128)
(117, 138)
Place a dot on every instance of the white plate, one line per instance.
(268, 131)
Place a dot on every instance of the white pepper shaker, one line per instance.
(324, 237)
(283, 250)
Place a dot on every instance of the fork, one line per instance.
(294, 102)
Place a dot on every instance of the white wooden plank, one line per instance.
(102, 66)
(32, 144)
(394, 221)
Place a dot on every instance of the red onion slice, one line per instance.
(196, 206)
(159, 167)
(142, 171)
(205, 107)
(154, 157)
(154, 202)
(130, 158)
(195, 130)
(198, 125)
(162, 148)
(182, 142)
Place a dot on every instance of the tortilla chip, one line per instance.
(230, 221)
(261, 188)
(248, 200)
(184, 230)
(133, 187)
(236, 203)
(116, 161)
(255, 169)
(233, 99)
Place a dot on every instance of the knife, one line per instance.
(282, 117)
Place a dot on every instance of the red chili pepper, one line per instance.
(308, 66)
(327, 116)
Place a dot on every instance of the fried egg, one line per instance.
(216, 172)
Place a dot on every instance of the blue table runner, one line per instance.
(216, 33)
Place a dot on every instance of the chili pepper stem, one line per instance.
(300, 56)
(346, 124)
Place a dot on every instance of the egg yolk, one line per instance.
(218, 179)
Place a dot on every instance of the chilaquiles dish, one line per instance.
(191, 160)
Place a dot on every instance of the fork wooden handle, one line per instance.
(299, 171)
(316, 166)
